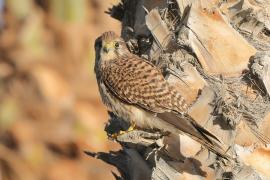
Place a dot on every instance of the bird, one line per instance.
(135, 90)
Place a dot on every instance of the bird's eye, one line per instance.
(116, 45)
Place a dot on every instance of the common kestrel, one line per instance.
(135, 90)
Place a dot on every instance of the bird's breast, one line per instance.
(126, 111)
(114, 104)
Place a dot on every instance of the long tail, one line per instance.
(190, 127)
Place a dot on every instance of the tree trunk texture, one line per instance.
(217, 52)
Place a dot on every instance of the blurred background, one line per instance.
(50, 110)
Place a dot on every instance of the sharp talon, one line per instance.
(121, 132)
(114, 135)
(131, 128)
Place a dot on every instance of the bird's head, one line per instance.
(109, 46)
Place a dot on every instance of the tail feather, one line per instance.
(190, 127)
(203, 131)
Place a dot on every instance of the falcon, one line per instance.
(136, 90)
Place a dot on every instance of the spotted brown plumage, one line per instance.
(137, 82)
(136, 90)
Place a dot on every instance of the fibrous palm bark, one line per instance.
(218, 55)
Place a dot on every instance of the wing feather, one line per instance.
(138, 82)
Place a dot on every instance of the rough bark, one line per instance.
(217, 53)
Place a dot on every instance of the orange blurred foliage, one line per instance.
(50, 110)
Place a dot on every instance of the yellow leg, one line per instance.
(131, 128)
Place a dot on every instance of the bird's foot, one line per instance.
(131, 128)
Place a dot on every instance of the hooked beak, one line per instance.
(108, 46)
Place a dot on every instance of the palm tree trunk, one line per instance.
(218, 55)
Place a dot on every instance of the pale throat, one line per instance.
(108, 56)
